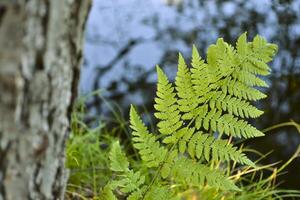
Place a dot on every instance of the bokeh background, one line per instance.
(125, 39)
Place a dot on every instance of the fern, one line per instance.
(204, 145)
(128, 181)
(223, 87)
(150, 150)
(166, 106)
(107, 194)
(119, 162)
(210, 98)
(198, 174)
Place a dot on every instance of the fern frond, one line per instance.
(131, 181)
(234, 106)
(169, 163)
(227, 92)
(107, 194)
(156, 192)
(255, 66)
(138, 194)
(149, 148)
(187, 98)
(166, 106)
(242, 46)
(240, 90)
(118, 160)
(246, 73)
(228, 124)
(248, 78)
(201, 77)
(262, 50)
(182, 144)
(160, 192)
(255, 55)
(199, 80)
(199, 145)
(135, 195)
(221, 58)
(212, 96)
(199, 175)
(210, 148)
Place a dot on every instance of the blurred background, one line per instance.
(125, 39)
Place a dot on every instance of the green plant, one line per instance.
(209, 100)
(192, 154)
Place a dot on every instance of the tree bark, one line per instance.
(40, 56)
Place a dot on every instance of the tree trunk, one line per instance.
(40, 55)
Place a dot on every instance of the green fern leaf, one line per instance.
(242, 46)
(187, 98)
(262, 50)
(201, 77)
(168, 164)
(198, 175)
(131, 181)
(160, 192)
(167, 109)
(253, 56)
(204, 145)
(107, 194)
(149, 148)
(182, 144)
(240, 90)
(118, 160)
(248, 78)
(221, 59)
(138, 194)
(135, 195)
(228, 124)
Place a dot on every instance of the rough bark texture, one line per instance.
(40, 55)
